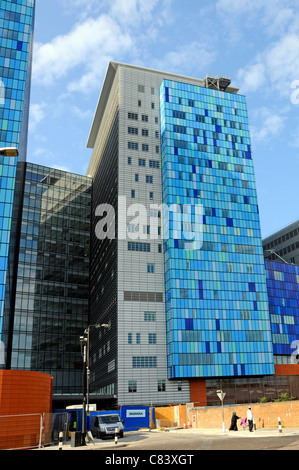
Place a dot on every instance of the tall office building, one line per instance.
(181, 281)
(50, 299)
(283, 245)
(16, 36)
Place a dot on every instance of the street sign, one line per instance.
(221, 395)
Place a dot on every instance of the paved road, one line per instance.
(195, 440)
(182, 442)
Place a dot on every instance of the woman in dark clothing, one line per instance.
(233, 424)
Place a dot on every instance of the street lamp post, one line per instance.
(221, 396)
(84, 340)
(9, 151)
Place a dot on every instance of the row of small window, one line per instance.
(144, 117)
(144, 132)
(145, 247)
(210, 120)
(148, 178)
(282, 239)
(287, 319)
(161, 386)
(144, 362)
(142, 162)
(144, 147)
(151, 194)
(146, 230)
(152, 338)
(215, 135)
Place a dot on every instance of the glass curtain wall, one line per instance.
(52, 288)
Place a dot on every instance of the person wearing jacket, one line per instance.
(233, 424)
(250, 419)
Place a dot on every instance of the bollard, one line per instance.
(116, 436)
(60, 440)
(279, 425)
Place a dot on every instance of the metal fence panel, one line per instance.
(32, 430)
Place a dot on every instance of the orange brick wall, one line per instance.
(265, 415)
(176, 413)
(23, 393)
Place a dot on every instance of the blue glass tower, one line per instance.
(217, 310)
(16, 40)
(283, 293)
(16, 36)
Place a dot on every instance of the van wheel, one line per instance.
(121, 434)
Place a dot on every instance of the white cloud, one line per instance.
(274, 69)
(270, 124)
(195, 56)
(37, 114)
(87, 45)
(252, 77)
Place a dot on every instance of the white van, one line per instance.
(102, 426)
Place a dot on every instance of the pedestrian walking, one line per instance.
(233, 424)
(250, 419)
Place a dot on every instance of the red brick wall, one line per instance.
(198, 392)
(23, 393)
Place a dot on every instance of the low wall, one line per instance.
(265, 415)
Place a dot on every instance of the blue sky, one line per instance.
(256, 42)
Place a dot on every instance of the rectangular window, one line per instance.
(129, 160)
(149, 179)
(132, 386)
(145, 147)
(144, 118)
(137, 338)
(133, 193)
(179, 114)
(161, 385)
(145, 132)
(136, 177)
(154, 164)
(136, 246)
(140, 362)
(151, 196)
(141, 88)
(130, 338)
(133, 130)
(200, 118)
(132, 145)
(133, 116)
(141, 162)
(150, 268)
(149, 316)
(152, 338)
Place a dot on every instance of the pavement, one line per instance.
(110, 444)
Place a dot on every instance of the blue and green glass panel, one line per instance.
(16, 36)
(7, 185)
(283, 294)
(217, 311)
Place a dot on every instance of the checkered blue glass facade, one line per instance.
(216, 295)
(7, 185)
(283, 294)
(16, 37)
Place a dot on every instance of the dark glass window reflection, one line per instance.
(51, 309)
